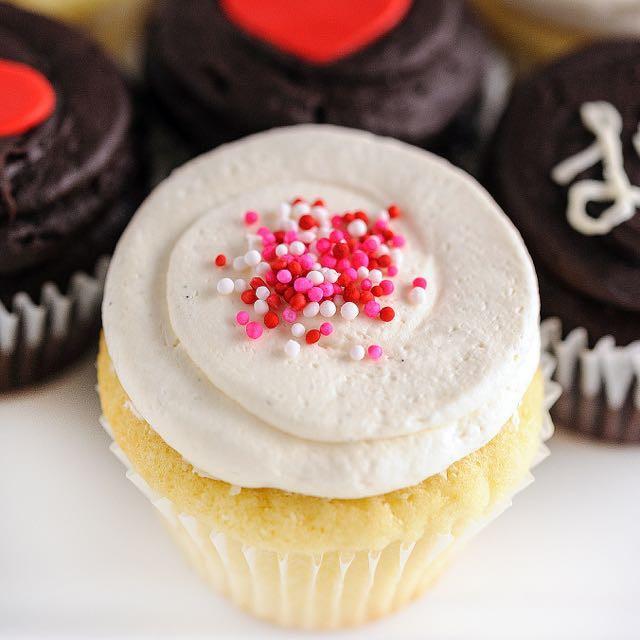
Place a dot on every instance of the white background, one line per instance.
(83, 554)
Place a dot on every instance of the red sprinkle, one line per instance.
(221, 260)
(257, 282)
(307, 222)
(313, 335)
(271, 320)
(249, 296)
(394, 211)
(387, 314)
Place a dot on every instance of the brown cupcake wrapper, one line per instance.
(600, 386)
(39, 339)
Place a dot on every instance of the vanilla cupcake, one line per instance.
(321, 364)
(538, 30)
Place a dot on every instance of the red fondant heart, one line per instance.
(27, 98)
(320, 31)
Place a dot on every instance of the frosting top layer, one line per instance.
(610, 17)
(454, 370)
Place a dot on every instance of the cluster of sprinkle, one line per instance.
(318, 264)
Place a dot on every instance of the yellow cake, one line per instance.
(319, 454)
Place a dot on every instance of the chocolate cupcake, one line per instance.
(68, 185)
(411, 70)
(566, 167)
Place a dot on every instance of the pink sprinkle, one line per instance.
(336, 236)
(371, 244)
(242, 317)
(359, 259)
(337, 289)
(263, 232)
(251, 217)
(420, 282)
(382, 224)
(289, 315)
(302, 285)
(351, 273)
(328, 261)
(327, 289)
(372, 309)
(387, 287)
(270, 277)
(323, 245)
(314, 294)
(284, 276)
(375, 352)
(326, 328)
(269, 253)
(398, 241)
(392, 271)
(254, 330)
(343, 264)
(306, 261)
(366, 284)
(290, 236)
(336, 221)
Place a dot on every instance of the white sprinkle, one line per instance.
(284, 210)
(296, 248)
(331, 275)
(356, 352)
(349, 311)
(262, 268)
(382, 250)
(307, 236)
(260, 307)
(320, 212)
(382, 215)
(375, 275)
(239, 263)
(252, 258)
(240, 285)
(397, 256)
(290, 225)
(357, 228)
(317, 266)
(327, 309)
(316, 277)
(282, 250)
(297, 329)
(363, 273)
(225, 286)
(311, 310)
(263, 293)
(301, 209)
(292, 348)
(417, 295)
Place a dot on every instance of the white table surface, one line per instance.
(82, 553)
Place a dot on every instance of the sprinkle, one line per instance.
(375, 275)
(249, 296)
(375, 352)
(417, 295)
(254, 330)
(260, 307)
(327, 309)
(240, 285)
(300, 209)
(284, 276)
(315, 294)
(311, 310)
(242, 318)
(357, 352)
(392, 271)
(326, 328)
(262, 268)
(251, 217)
(357, 228)
(282, 250)
(296, 248)
(372, 309)
(394, 211)
(225, 286)
(349, 311)
(271, 320)
(298, 330)
(262, 292)
(387, 287)
(302, 285)
(239, 263)
(387, 314)
(313, 335)
(253, 258)
(292, 348)
(221, 260)
(289, 315)
(315, 277)
(420, 282)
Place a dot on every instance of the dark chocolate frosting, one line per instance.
(219, 82)
(65, 174)
(595, 275)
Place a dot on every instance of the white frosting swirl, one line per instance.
(619, 18)
(454, 371)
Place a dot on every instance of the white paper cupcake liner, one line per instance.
(600, 386)
(37, 339)
(329, 590)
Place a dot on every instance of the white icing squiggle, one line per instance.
(604, 120)
(616, 370)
